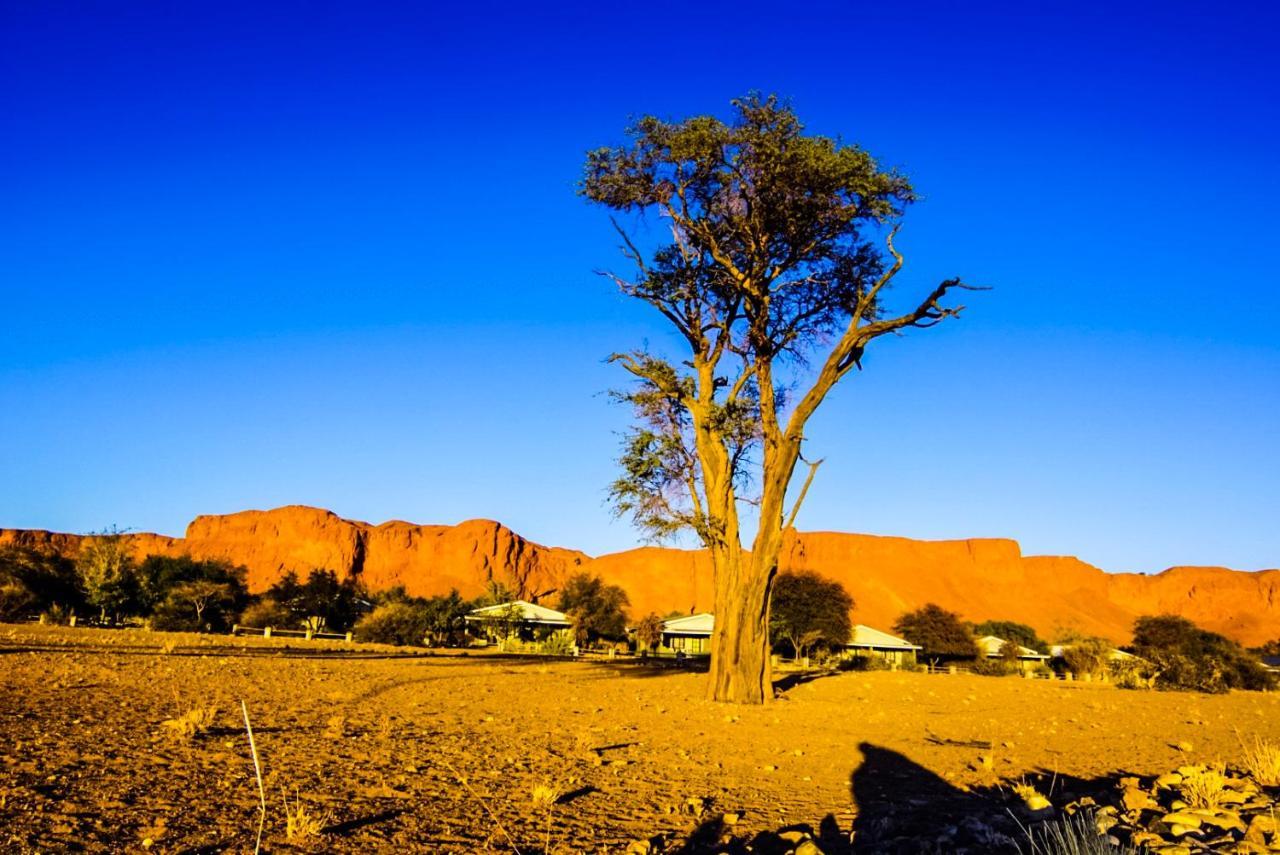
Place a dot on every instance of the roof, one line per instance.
(991, 646)
(865, 636)
(529, 613)
(1115, 654)
(700, 624)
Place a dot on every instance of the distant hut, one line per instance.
(518, 618)
(691, 634)
(869, 643)
(992, 648)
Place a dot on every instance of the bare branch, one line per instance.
(795, 509)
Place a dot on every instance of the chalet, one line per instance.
(691, 634)
(990, 646)
(866, 642)
(524, 620)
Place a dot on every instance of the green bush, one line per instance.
(865, 663)
(404, 623)
(994, 667)
(558, 644)
(268, 613)
(1187, 657)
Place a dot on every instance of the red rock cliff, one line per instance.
(980, 579)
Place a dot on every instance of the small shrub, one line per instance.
(988, 667)
(1088, 657)
(402, 623)
(864, 663)
(192, 723)
(558, 644)
(267, 613)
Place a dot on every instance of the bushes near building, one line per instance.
(1188, 657)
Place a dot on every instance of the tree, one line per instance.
(1189, 657)
(34, 580)
(807, 609)
(1012, 631)
(649, 631)
(177, 590)
(199, 596)
(1087, 657)
(321, 602)
(773, 283)
(941, 633)
(105, 567)
(595, 610)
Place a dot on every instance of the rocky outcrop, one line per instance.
(980, 579)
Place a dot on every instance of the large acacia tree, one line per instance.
(779, 259)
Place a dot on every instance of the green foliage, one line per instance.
(1088, 656)
(33, 581)
(402, 623)
(649, 631)
(322, 602)
(595, 610)
(1010, 653)
(181, 593)
(998, 666)
(1188, 657)
(941, 633)
(808, 609)
(771, 261)
(558, 644)
(265, 613)
(865, 663)
(405, 620)
(106, 571)
(1018, 633)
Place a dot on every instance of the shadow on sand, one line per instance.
(902, 808)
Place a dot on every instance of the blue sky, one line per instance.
(331, 254)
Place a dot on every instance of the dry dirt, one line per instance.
(423, 753)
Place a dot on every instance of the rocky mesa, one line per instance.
(979, 578)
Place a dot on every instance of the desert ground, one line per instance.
(396, 751)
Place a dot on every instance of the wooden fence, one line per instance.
(272, 632)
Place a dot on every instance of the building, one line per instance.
(866, 642)
(691, 634)
(990, 646)
(519, 619)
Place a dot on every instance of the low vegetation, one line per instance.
(1188, 657)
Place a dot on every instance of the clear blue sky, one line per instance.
(330, 253)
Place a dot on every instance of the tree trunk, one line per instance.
(741, 669)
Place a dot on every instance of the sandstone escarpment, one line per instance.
(979, 578)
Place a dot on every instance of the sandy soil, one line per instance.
(422, 753)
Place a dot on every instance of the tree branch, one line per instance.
(795, 509)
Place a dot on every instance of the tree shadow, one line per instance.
(902, 808)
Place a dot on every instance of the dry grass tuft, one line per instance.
(544, 796)
(1203, 788)
(193, 722)
(1262, 761)
(301, 823)
(1031, 797)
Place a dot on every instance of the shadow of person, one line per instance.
(905, 809)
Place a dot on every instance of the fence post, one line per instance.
(72, 622)
(348, 637)
(235, 629)
(951, 669)
(266, 633)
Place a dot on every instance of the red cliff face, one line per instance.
(980, 579)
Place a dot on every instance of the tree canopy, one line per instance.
(1189, 657)
(809, 609)
(1008, 630)
(596, 610)
(941, 633)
